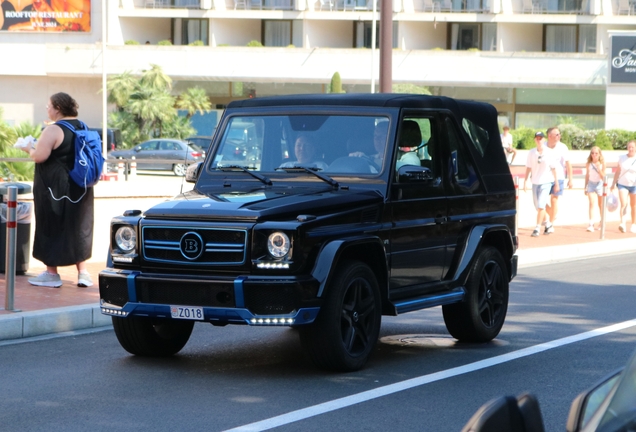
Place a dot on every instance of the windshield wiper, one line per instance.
(246, 170)
(323, 177)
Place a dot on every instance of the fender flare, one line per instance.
(331, 253)
(478, 236)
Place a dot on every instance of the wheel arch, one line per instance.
(369, 250)
(497, 236)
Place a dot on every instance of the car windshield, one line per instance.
(329, 144)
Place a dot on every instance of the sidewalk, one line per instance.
(70, 308)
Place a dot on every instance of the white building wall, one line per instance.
(620, 110)
(420, 35)
(234, 32)
(145, 29)
(24, 99)
(332, 34)
(514, 37)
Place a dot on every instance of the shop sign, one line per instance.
(45, 15)
(623, 59)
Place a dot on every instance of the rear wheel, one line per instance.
(179, 169)
(347, 327)
(481, 315)
(152, 337)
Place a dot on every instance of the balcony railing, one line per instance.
(556, 6)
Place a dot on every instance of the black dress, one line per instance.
(63, 229)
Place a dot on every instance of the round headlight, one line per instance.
(278, 244)
(126, 239)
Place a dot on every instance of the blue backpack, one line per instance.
(89, 160)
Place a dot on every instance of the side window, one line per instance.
(149, 146)
(462, 174)
(418, 146)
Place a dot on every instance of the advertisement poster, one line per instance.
(623, 60)
(45, 15)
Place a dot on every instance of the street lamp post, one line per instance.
(386, 46)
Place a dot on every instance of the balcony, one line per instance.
(581, 7)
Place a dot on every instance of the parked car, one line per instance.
(349, 231)
(114, 138)
(161, 154)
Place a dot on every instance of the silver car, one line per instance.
(161, 154)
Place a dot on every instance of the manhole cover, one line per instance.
(419, 340)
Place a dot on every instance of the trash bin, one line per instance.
(23, 233)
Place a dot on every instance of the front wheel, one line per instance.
(347, 327)
(179, 169)
(481, 315)
(152, 337)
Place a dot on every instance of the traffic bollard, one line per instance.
(604, 207)
(9, 269)
(133, 168)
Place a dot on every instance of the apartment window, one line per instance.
(570, 38)
(277, 33)
(194, 30)
(363, 34)
(463, 36)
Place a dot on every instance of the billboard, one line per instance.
(45, 15)
(623, 59)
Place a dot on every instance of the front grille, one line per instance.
(220, 246)
(263, 299)
(113, 290)
(186, 293)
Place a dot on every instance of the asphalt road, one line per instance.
(418, 378)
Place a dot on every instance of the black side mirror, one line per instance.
(415, 174)
(193, 171)
(508, 414)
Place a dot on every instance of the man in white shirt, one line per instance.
(562, 156)
(506, 142)
(541, 167)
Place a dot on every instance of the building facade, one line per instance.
(535, 60)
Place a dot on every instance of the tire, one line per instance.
(179, 169)
(481, 315)
(152, 337)
(346, 330)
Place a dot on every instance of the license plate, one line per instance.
(186, 312)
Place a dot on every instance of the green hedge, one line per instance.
(578, 139)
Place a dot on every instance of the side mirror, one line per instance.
(588, 402)
(414, 174)
(138, 148)
(193, 171)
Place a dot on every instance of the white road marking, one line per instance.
(336, 404)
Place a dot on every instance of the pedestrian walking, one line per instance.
(63, 228)
(507, 143)
(594, 175)
(563, 170)
(541, 167)
(625, 179)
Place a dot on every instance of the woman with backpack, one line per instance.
(63, 210)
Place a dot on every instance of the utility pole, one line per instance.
(386, 46)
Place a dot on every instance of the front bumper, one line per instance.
(252, 300)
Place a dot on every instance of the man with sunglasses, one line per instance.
(562, 156)
(541, 167)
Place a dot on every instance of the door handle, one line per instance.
(441, 220)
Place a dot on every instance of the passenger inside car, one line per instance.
(306, 154)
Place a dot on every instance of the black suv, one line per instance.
(344, 208)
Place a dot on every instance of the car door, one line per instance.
(170, 151)
(467, 201)
(419, 211)
(147, 152)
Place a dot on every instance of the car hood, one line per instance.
(262, 204)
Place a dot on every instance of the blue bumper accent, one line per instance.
(216, 315)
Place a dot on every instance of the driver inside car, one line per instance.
(379, 143)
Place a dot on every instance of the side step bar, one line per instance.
(428, 301)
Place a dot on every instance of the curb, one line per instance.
(47, 321)
(566, 253)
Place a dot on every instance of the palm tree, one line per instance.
(156, 79)
(120, 87)
(192, 100)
